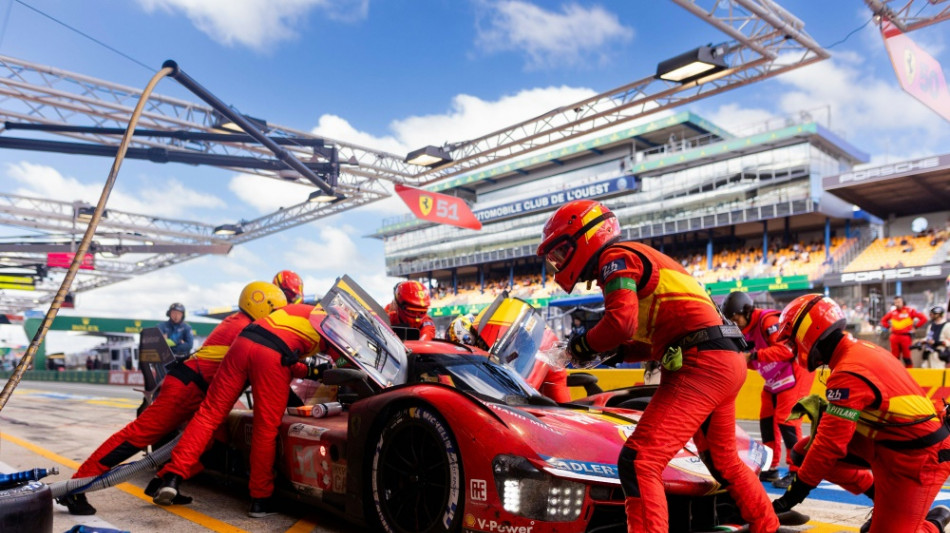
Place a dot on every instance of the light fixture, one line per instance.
(222, 122)
(322, 197)
(428, 156)
(84, 214)
(692, 65)
(229, 229)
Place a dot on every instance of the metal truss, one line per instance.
(910, 15)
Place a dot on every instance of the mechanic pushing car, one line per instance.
(410, 309)
(266, 354)
(181, 394)
(649, 298)
(785, 382)
(291, 284)
(176, 331)
(902, 320)
(876, 412)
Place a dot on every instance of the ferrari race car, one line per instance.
(438, 437)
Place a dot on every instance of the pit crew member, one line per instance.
(649, 298)
(176, 331)
(876, 412)
(902, 321)
(410, 308)
(291, 284)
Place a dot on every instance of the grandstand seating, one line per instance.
(896, 252)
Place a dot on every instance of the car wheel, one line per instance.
(416, 474)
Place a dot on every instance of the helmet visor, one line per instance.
(560, 254)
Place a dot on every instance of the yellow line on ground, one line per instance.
(304, 525)
(821, 527)
(206, 521)
(115, 403)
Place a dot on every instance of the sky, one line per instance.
(397, 75)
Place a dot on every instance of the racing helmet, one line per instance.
(460, 329)
(259, 298)
(412, 303)
(805, 322)
(573, 236)
(176, 307)
(738, 302)
(291, 284)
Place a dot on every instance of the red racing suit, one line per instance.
(902, 323)
(426, 331)
(786, 382)
(182, 391)
(650, 299)
(255, 357)
(879, 413)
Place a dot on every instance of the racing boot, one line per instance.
(77, 504)
(768, 475)
(784, 482)
(939, 516)
(169, 489)
(152, 489)
(261, 507)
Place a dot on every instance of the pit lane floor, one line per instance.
(60, 424)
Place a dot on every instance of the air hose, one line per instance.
(57, 302)
(118, 474)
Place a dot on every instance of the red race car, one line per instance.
(439, 437)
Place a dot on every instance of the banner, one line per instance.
(552, 199)
(784, 283)
(64, 259)
(19, 283)
(919, 73)
(438, 208)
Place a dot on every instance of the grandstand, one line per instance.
(776, 210)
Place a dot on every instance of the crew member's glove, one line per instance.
(794, 495)
(581, 351)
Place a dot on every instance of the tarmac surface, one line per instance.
(59, 424)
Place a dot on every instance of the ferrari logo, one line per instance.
(425, 204)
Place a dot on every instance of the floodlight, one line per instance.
(229, 229)
(428, 156)
(324, 198)
(692, 65)
(84, 214)
(225, 124)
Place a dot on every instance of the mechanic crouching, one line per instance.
(649, 298)
(410, 309)
(876, 412)
(266, 354)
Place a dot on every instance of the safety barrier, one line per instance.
(102, 377)
(935, 382)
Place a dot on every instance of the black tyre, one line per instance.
(27, 508)
(416, 474)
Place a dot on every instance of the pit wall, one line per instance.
(935, 382)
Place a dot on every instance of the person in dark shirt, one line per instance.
(176, 331)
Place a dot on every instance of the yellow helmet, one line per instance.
(259, 298)
(460, 329)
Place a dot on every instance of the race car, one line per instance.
(439, 437)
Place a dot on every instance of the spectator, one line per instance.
(176, 331)
(577, 326)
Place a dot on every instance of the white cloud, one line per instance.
(253, 23)
(335, 127)
(171, 200)
(548, 39)
(734, 118)
(268, 195)
(334, 251)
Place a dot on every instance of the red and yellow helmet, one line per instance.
(805, 322)
(573, 236)
(291, 284)
(412, 303)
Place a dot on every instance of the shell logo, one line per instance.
(469, 520)
(257, 296)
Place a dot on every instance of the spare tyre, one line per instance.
(26, 508)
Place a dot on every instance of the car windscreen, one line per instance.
(363, 338)
(477, 375)
(520, 344)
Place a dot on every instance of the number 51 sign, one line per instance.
(438, 208)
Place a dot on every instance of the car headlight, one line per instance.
(526, 491)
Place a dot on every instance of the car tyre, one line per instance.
(416, 474)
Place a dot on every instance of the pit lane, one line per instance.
(60, 424)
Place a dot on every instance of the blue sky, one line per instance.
(396, 75)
